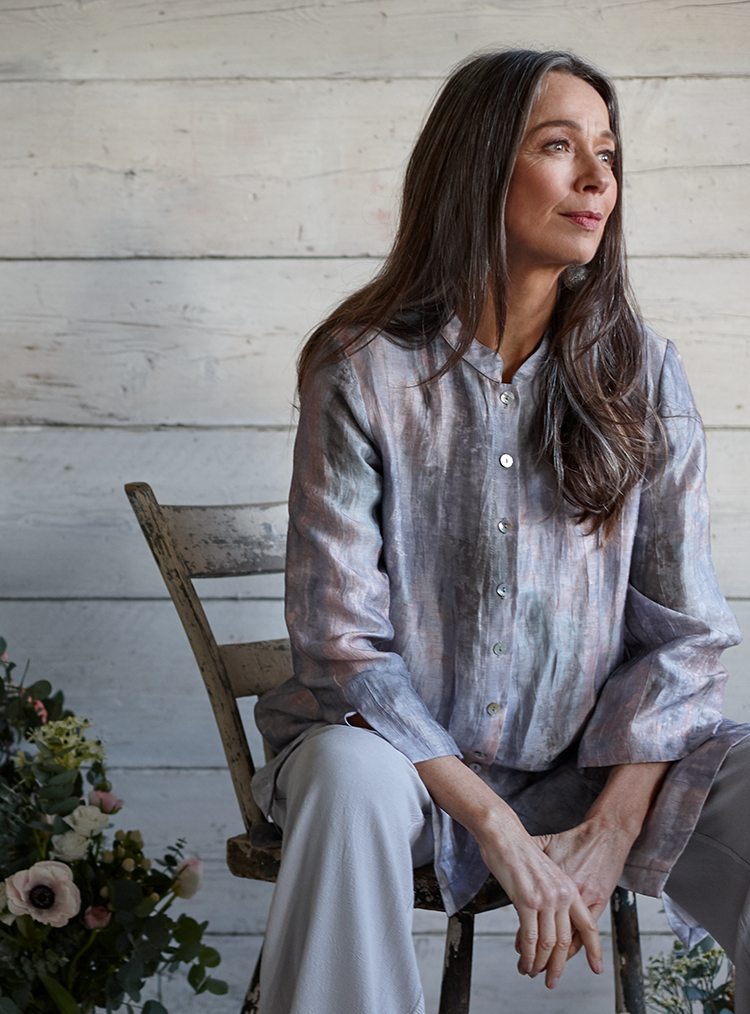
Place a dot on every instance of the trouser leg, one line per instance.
(711, 879)
(356, 818)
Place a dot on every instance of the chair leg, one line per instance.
(456, 986)
(252, 997)
(626, 947)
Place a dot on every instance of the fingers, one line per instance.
(546, 940)
(584, 922)
(526, 940)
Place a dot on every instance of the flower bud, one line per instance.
(104, 892)
(108, 857)
(120, 835)
(145, 863)
(137, 839)
(128, 865)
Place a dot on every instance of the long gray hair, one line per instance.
(593, 427)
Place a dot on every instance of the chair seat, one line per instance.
(257, 856)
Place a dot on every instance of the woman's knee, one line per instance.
(351, 773)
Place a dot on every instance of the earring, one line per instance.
(574, 276)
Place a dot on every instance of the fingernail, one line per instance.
(599, 967)
(552, 983)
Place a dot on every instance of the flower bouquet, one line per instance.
(83, 923)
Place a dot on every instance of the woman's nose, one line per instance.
(595, 175)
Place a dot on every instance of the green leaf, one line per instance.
(154, 1007)
(216, 986)
(187, 929)
(64, 807)
(188, 951)
(125, 894)
(145, 908)
(157, 931)
(210, 957)
(196, 975)
(64, 778)
(6, 1004)
(61, 998)
(40, 689)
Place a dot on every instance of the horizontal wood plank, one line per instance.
(301, 168)
(213, 342)
(67, 529)
(276, 38)
(128, 666)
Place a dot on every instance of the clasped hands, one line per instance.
(559, 885)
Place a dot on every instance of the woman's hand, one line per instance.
(593, 858)
(549, 905)
(594, 853)
(551, 911)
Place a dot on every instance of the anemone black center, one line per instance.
(42, 896)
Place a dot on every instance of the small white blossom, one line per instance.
(69, 846)
(87, 820)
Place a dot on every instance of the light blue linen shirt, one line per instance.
(437, 585)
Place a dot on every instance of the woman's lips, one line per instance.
(586, 219)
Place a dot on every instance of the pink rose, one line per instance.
(189, 878)
(40, 710)
(97, 918)
(106, 801)
(46, 892)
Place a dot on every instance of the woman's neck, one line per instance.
(530, 306)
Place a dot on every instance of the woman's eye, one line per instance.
(559, 145)
(608, 157)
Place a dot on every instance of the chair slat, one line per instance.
(230, 541)
(255, 668)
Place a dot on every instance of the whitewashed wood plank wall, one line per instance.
(185, 187)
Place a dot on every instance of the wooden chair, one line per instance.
(229, 541)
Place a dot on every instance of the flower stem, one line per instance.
(74, 962)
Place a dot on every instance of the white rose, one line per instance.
(87, 820)
(69, 846)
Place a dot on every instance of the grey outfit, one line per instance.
(436, 585)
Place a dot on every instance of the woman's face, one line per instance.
(563, 188)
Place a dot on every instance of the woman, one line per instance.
(503, 613)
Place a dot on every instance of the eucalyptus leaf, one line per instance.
(125, 894)
(154, 1007)
(6, 1004)
(40, 689)
(61, 998)
(216, 986)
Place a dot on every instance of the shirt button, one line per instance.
(493, 709)
(505, 525)
(507, 397)
(499, 648)
(502, 590)
(476, 767)
(506, 460)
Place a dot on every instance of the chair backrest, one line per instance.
(227, 541)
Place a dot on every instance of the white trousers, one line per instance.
(357, 819)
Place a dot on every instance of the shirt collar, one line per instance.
(489, 363)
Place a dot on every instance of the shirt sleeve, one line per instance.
(665, 700)
(337, 590)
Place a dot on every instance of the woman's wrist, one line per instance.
(621, 808)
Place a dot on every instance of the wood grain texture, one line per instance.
(277, 38)
(68, 529)
(213, 342)
(311, 168)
